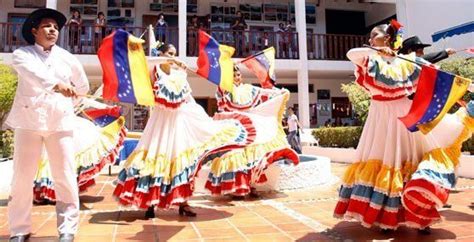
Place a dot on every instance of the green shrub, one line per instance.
(6, 144)
(359, 98)
(8, 83)
(341, 137)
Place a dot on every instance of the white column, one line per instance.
(52, 4)
(303, 93)
(402, 16)
(182, 28)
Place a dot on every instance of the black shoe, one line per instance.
(150, 213)
(66, 238)
(447, 206)
(425, 231)
(386, 231)
(183, 212)
(19, 238)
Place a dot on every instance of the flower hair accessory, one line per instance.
(398, 29)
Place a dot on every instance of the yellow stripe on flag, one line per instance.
(458, 89)
(227, 67)
(140, 76)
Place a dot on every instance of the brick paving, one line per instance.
(298, 215)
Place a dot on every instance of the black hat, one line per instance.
(412, 43)
(35, 18)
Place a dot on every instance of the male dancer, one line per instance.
(49, 78)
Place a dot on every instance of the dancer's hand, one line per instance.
(65, 89)
(386, 51)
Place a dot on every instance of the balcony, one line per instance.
(84, 40)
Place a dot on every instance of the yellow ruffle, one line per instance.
(238, 159)
(382, 177)
(448, 158)
(390, 180)
(159, 165)
(109, 137)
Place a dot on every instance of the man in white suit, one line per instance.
(49, 78)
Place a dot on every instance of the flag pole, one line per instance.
(144, 32)
(252, 56)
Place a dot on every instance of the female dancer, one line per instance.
(235, 171)
(96, 146)
(388, 154)
(177, 138)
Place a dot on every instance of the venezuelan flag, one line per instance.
(214, 62)
(437, 92)
(126, 76)
(262, 65)
(103, 117)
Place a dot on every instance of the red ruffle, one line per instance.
(43, 193)
(368, 215)
(166, 103)
(240, 185)
(153, 197)
(243, 119)
(420, 199)
(85, 176)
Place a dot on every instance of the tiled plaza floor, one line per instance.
(300, 215)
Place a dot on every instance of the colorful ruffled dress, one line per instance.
(96, 146)
(234, 172)
(178, 137)
(388, 155)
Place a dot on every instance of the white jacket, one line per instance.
(36, 105)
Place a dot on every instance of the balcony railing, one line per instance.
(249, 42)
(332, 46)
(85, 40)
(81, 40)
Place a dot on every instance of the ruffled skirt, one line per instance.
(95, 147)
(235, 171)
(175, 142)
(387, 157)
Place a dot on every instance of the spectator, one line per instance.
(292, 40)
(265, 40)
(337, 122)
(193, 28)
(74, 24)
(160, 28)
(293, 128)
(282, 41)
(99, 30)
(327, 123)
(238, 26)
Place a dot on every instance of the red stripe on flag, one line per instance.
(203, 61)
(423, 96)
(107, 62)
(260, 71)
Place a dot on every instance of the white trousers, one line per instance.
(28, 149)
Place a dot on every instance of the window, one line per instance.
(341, 107)
(30, 3)
(15, 30)
(251, 12)
(87, 8)
(121, 12)
(167, 6)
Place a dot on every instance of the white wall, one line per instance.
(425, 17)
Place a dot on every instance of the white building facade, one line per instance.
(312, 64)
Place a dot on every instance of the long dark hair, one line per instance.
(165, 47)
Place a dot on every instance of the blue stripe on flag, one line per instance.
(213, 54)
(125, 91)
